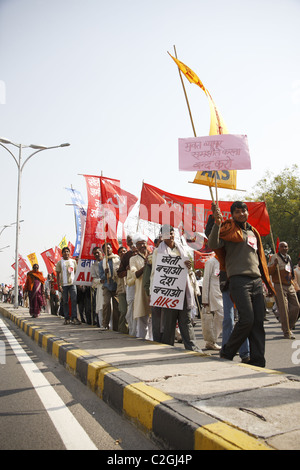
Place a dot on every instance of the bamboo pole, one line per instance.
(190, 113)
(104, 233)
(280, 283)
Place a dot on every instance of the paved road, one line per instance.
(281, 354)
(78, 418)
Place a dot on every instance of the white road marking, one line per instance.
(71, 432)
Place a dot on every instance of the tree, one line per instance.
(282, 196)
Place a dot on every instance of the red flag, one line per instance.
(97, 227)
(118, 200)
(71, 248)
(51, 258)
(277, 244)
(158, 205)
(22, 270)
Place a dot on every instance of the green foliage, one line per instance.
(282, 196)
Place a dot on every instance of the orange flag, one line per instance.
(225, 179)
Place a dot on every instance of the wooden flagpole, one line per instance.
(104, 232)
(191, 117)
(280, 282)
(138, 217)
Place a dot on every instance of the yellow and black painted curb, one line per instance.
(175, 423)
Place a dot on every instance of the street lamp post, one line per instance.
(6, 226)
(20, 166)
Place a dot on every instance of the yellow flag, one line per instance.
(225, 179)
(63, 243)
(33, 259)
(190, 75)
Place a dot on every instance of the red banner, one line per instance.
(50, 258)
(117, 199)
(22, 270)
(162, 207)
(101, 224)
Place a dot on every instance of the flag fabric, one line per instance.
(96, 230)
(119, 200)
(33, 259)
(277, 244)
(22, 270)
(225, 179)
(63, 243)
(71, 248)
(51, 258)
(190, 75)
(154, 201)
(80, 214)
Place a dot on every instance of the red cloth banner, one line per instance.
(101, 222)
(22, 270)
(162, 207)
(118, 200)
(51, 257)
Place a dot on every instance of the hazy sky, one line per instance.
(97, 74)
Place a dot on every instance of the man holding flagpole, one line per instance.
(239, 249)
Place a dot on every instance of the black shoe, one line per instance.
(245, 360)
(224, 356)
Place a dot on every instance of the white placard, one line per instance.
(169, 282)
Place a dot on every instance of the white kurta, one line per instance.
(211, 293)
(96, 284)
(141, 299)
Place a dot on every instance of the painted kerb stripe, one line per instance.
(142, 403)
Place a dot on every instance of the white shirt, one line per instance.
(211, 293)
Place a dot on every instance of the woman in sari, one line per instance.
(34, 286)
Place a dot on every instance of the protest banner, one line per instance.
(22, 270)
(83, 276)
(214, 152)
(32, 258)
(80, 217)
(154, 200)
(169, 282)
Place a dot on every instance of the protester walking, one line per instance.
(106, 271)
(65, 270)
(169, 247)
(121, 293)
(239, 250)
(34, 287)
(124, 272)
(141, 308)
(97, 285)
(212, 301)
(286, 297)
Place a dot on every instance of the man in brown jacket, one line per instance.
(239, 249)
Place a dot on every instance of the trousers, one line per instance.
(287, 302)
(72, 291)
(170, 317)
(247, 294)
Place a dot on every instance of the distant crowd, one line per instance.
(230, 295)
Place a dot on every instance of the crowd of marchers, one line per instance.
(230, 295)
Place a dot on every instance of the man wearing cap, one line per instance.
(141, 308)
